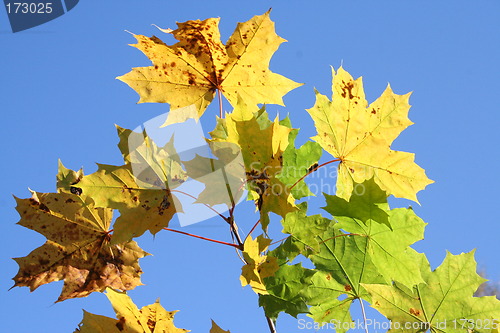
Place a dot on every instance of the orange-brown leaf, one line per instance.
(78, 248)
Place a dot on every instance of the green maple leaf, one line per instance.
(66, 178)
(297, 162)
(285, 291)
(368, 202)
(304, 231)
(382, 234)
(343, 265)
(444, 303)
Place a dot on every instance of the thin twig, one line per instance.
(238, 250)
(280, 240)
(364, 314)
(207, 239)
(270, 323)
(253, 228)
(211, 208)
(312, 170)
(234, 231)
(220, 103)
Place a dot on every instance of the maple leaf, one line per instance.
(370, 205)
(66, 178)
(444, 303)
(224, 176)
(297, 162)
(150, 319)
(304, 231)
(342, 266)
(360, 135)
(152, 166)
(78, 248)
(140, 189)
(285, 289)
(384, 235)
(262, 144)
(369, 244)
(216, 329)
(257, 266)
(141, 208)
(190, 71)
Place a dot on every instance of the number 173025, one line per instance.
(29, 7)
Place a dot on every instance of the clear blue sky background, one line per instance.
(59, 99)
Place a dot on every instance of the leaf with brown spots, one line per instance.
(66, 178)
(151, 318)
(78, 248)
(190, 71)
(141, 208)
(258, 266)
(360, 135)
(262, 143)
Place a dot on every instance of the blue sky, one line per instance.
(59, 99)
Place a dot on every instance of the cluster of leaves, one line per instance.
(362, 252)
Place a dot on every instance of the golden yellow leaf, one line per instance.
(152, 318)
(190, 71)
(257, 266)
(262, 145)
(216, 329)
(360, 136)
(78, 248)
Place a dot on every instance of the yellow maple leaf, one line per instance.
(360, 136)
(262, 145)
(257, 266)
(190, 71)
(216, 329)
(78, 248)
(151, 318)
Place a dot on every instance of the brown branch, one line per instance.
(200, 237)
(208, 206)
(253, 228)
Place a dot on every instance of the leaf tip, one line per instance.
(167, 31)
